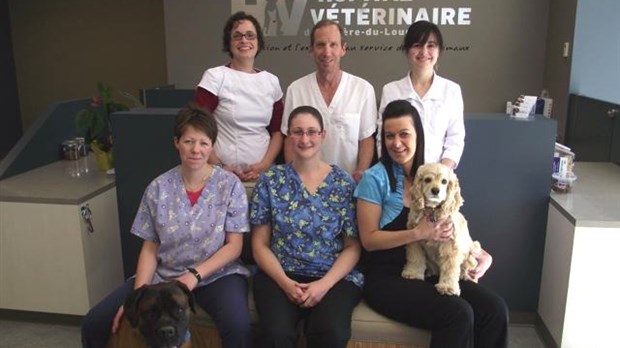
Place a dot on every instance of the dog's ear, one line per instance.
(189, 294)
(454, 199)
(417, 195)
(132, 301)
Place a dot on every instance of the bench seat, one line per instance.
(369, 329)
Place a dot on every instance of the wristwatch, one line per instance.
(193, 271)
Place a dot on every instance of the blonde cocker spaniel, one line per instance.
(436, 194)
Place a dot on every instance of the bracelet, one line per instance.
(195, 273)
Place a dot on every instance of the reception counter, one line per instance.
(578, 303)
(594, 200)
(505, 176)
(50, 261)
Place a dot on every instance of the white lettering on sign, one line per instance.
(284, 17)
(393, 16)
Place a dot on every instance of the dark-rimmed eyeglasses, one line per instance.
(249, 35)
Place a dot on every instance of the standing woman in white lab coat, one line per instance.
(245, 101)
(438, 100)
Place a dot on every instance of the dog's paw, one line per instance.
(411, 274)
(447, 289)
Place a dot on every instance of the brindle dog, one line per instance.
(160, 313)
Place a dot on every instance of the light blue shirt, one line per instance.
(375, 188)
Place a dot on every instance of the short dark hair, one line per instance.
(396, 109)
(324, 23)
(306, 109)
(197, 117)
(419, 32)
(230, 24)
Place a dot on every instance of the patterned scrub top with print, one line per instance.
(307, 229)
(188, 235)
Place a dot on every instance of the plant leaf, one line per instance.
(134, 100)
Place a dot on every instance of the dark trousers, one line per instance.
(478, 318)
(225, 300)
(328, 324)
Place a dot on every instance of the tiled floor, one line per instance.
(24, 334)
(523, 336)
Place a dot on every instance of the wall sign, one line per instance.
(360, 18)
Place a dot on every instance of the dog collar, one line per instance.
(186, 338)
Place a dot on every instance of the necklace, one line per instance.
(194, 187)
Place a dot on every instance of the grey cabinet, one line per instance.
(593, 129)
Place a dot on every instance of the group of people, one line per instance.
(313, 217)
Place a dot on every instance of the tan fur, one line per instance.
(450, 260)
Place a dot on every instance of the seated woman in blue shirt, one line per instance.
(304, 241)
(477, 318)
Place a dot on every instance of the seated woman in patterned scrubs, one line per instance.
(191, 219)
(305, 243)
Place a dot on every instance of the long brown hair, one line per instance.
(396, 109)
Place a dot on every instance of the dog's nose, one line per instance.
(435, 191)
(167, 332)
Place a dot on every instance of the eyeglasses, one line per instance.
(249, 35)
(311, 133)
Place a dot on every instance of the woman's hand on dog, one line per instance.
(484, 263)
(116, 323)
(439, 231)
(189, 280)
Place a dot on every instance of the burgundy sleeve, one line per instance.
(205, 99)
(276, 116)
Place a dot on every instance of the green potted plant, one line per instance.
(93, 122)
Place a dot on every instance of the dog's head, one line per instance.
(436, 186)
(161, 313)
